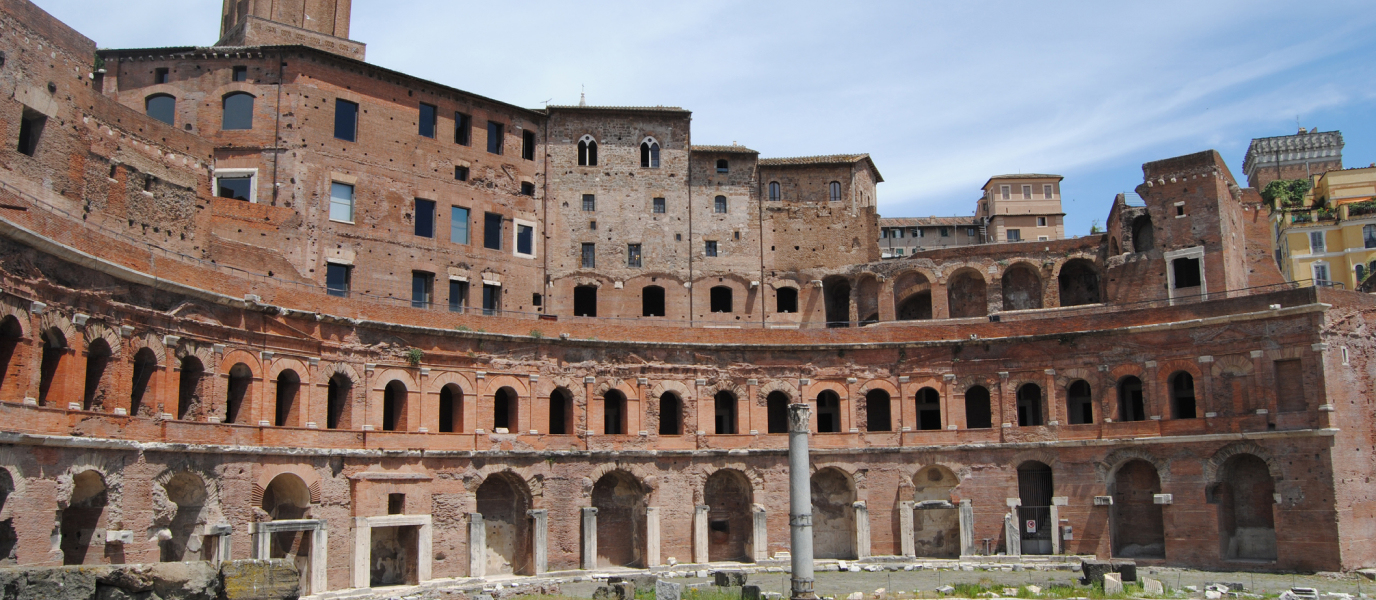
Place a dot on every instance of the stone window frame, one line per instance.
(1196, 252)
(235, 173)
(775, 192)
(515, 234)
(652, 154)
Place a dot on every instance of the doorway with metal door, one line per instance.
(1034, 516)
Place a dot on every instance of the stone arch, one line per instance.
(729, 495)
(1104, 469)
(287, 390)
(95, 330)
(10, 464)
(936, 524)
(1214, 463)
(111, 469)
(834, 495)
(53, 319)
(185, 501)
(1021, 284)
(724, 385)
(620, 499)
(533, 485)
(308, 477)
(1080, 282)
(967, 293)
(20, 314)
(150, 341)
(503, 499)
(1243, 486)
(777, 385)
(1046, 457)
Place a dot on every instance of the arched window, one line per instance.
(240, 377)
(162, 107)
(835, 189)
(928, 409)
(721, 299)
(238, 111)
(670, 414)
(1130, 405)
(878, 412)
(145, 363)
(719, 205)
(1029, 405)
(1182, 396)
(338, 401)
(394, 407)
(774, 195)
(978, 412)
(560, 410)
(505, 407)
(614, 413)
(587, 151)
(288, 387)
(54, 349)
(1079, 404)
(97, 358)
(652, 301)
(725, 412)
(649, 154)
(451, 409)
(189, 387)
(776, 409)
(828, 412)
(723, 166)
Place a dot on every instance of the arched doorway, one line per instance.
(339, 402)
(145, 365)
(1022, 288)
(936, 526)
(288, 498)
(189, 387)
(502, 500)
(867, 300)
(83, 515)
(97, 359)
(184, 542)
(54, 349)
(288, 388)
(1138, 529)
(776, 407)
(1035, 488)
(833, 514)
(394, 411)
(1245, 494)
(620, 502)
(878, 411)
(1079, 283)
(728, 496)
(912, 297)
(670, 414)
(837, 292)
(966, 294)
(240, 378)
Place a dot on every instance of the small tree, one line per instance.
(1094, 227)
(1285, 193)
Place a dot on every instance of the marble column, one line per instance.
(477, 545)
(589, 538)
(759, 535)
(700, 533)
(651, 536)
(800, 501)
(862, 530)
(539, 529)
(907, 546)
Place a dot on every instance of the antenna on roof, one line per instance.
(582, 95)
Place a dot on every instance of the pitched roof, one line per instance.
(827, 159)
(666, 109)
(1022, 176)
(927, 221)
(732, 149)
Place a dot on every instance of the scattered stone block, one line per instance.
(641, 582)
(945, 590)
(856, 596)
(1094, 571)
(1153, 586)
(665, 590)
(1113, 584)
(750, 592)
(1126, 568)
(259, 580)
(704, 573)
(1035, 590)
(729, 578)
(1212, 594)
(1010, 591)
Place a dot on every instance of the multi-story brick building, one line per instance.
(234, 292)
(1299, 156)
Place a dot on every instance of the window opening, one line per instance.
(1029, 405)
(528, 145)
(425, 218)
(463, 131)
(649, 154)
(1317, 243)
(786, 300)
(1026, 192)
(928, 409)
(458, 225)
(341, 202)
(725, 413)
(878, 411)
(345, 120)
(589, 255)
(659, 206)
(1369, 236)
(525, 239)
(835, 189)
(1015, 235)
(422, 289)
(492, 231)
(774, 195)
(589, 203)
(587, 151)
(237, 187)
(711, 248)
(1005, 191)
(458, 295)
(461, 173)
(670, 414)
(337, 279)
(652, 301)
(559, 406)
(1046, 191)
(720, 204)
(723, 166)
(1041, 221)
(721, 299)
(633, 256)
(31, 126)
(495, 131)
(613, 413)
(238, 112)
(828, 412)
(527, 188)
(492, 299)
(1131, 406)
(428, 115)
(1079, 404)
(162, 107)
(1182, 396)
(240, 73)
(585, 301)
(978, 412)
(1321, 273)
(160, 76)
(1186, 272)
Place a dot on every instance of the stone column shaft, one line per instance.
(589, 538)
(907, 545)
(539, 529)
(651, 536)
(759, 536)
(477, 545)
(700, 533)
(862, 530)
(800, 501)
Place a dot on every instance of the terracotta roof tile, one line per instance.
(732, 149)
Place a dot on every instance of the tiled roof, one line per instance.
(927, 221)
(830, 159)
(732, 149)
(669, 109)
(1026, 176)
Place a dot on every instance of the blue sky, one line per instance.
(942, 94)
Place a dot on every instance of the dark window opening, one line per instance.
(30, 131)
(944, 231)
(710, 248)
(670, 414)
(288, 387)
(721, 299)
(336, 402)
(978, 412)
(162, 107)
(240, 73)
(786, 300)
(160, 76)
(461, 173)
(394, 407)
(527, 188)
(776, 408)
(835, 189)
(589, 256)
(1079, 403)
(589, 203)
(659, 206)
(97, 359)
(1182, 396)
(451, 409)
(495, 132)
(559, 409)
(878, 411)
(425, 218)
(828, 412)
(345, 120)
(1186, 272)
(492, 299)
(525, 239)
(723, 166)
(536, 300)
(337, 279)
(396, 504)
(492, 231)
(422, 289)
(774, 195)
(463, 130)
(649, 155)
(188, 386)
(725, 413)
(652, 301)
(458, 295)
(928, 409)
(144, 366)
(528, 144)
(504, 409)
(1130, 404)
(587, 152)
(236, 188)
(1142, 234)
(585, 301)
(633, 256)
(238, 112)
(719, 205)
(428, 116)
(614, 413)
(1029, 405)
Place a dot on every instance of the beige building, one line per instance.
(902, 236)
(1025, 207)
(1329, 239)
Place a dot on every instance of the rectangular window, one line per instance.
(711, 248)
(525, 239)
(463, 129)
(240, 73)
(458, 225)
(237, 187)
(899, 232)
(1186, 271)
(1369, 236)
(944, 231)
(30, 130)
(345, 120)
(1015, 235)
(589, 256)
(1047, 191)
(720, 204)
(528, 144)
(494, 137)
(422, 289)
(337, 279)
(1317, 243)
(1179, 209)
(461, 173)
(341, 202)
(1026, 192)
(492, 231)
(1321, 273)
(527, 188)
(659, 209)
(1041, 221)
(633, 255)
(428, 115)
(160, 76)
(589, 202)
(458, 295)
(970, 231)
(425, 218)
(492, 299)
(1005, 191)
(898, 251)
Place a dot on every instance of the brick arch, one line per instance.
(328, 370)
(1214, 463)
(111, 470)
(165, 509)
(445, 378)
(100, 331)
(964, 267)
(219, 93)
(901, 294)
(684, 392)
(879, 384)
(911, 481)
(1286, 353)
(817, 387)
(500, 381)
(533, 486)
(778, 385)
(390, 374)
(150, 341)
(1065, 377)
(751, 474)
(270, 472)
(236, 356)
(1236, 365)
(725, 385)
(9, 462)
(1046, 457)
(1078, 255)
(965, 382)
(20, 314)
(648, 480)
(573, 385)
(52, 319)
(204, 352)
(282, 364)
(596, 281)
(619, 385)
(1109, 465)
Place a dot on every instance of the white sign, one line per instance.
(1031, 526)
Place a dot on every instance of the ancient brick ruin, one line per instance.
(270, 301)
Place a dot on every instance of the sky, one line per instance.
(942, 95)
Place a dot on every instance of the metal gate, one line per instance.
(1034, 523)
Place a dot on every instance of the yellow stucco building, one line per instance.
(1329, 238)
